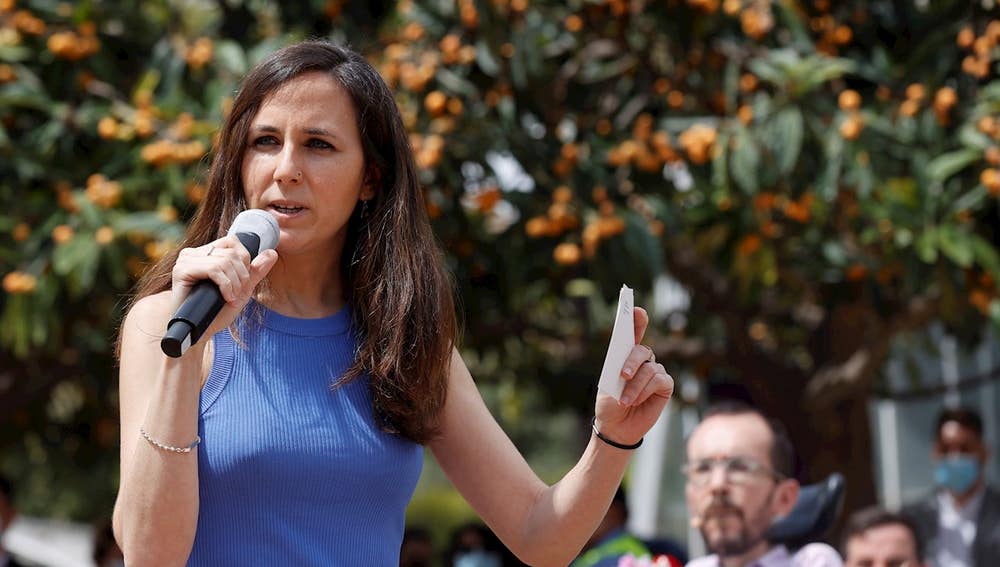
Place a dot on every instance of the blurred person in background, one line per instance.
(472, 544)
(960, 521)
(740, 479)
(874, 537)
(7, 514)
(106, 550)
(417, 549)
(294, 432)
(611, 541)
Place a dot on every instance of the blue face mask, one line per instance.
(957, 473)
(476, 558)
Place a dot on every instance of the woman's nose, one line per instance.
(286, 170)
(288, 177)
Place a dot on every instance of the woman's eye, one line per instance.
(265, 141)
(319, 144)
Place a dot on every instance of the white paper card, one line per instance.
(622, 341)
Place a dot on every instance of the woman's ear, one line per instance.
(371, 184)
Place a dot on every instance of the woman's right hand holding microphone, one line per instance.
(226, 262)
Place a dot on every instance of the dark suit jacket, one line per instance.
(986, 546)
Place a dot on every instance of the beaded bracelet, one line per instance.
(593, 424)
(171, 448)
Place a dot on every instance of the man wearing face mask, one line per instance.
(960, 521)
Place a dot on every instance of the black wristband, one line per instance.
(593, 424)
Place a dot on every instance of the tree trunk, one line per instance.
(832, 439)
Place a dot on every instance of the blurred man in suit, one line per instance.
(960, 520)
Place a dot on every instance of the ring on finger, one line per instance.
(651, 357)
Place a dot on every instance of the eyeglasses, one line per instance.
(737, 470)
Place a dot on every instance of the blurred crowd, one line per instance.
(744, 498)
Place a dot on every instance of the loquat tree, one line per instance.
(820, 176)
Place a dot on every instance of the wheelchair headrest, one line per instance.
(814, 513)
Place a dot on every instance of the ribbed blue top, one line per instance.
(290, 470)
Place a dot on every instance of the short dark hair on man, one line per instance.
(782, 451)
(873, 517)
(966, 417)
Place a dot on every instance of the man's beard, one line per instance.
(734, 545)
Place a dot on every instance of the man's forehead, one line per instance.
(729, 435)
(955, 430)
(888, 539)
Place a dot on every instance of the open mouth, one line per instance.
(286, 210)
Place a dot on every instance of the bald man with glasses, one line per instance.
(740, 479)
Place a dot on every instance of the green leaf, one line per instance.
(486, 60)
(87, 268)
(516, 63)
(720, 173)
(956, 245)
(901, 190)
(788, 142)
(970, 200)
(66, 257)
(16, 324)
(230, 56)
(927, 245)
(816, 71)
(147, 82)
(11, 53)
(767, 71)
(598, 70)
(994, 313)
(945, 165)
(744, 161)
(986, 255)
(971, 137)
(454, 83)
(829, 179)
(22, 96)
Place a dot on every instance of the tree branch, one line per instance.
(834, 383)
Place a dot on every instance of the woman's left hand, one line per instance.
(647, 389)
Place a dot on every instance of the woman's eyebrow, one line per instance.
(312, 131)
(319, 132)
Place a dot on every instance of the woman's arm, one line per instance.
(156, 512)
(545, 525)
(157, 507)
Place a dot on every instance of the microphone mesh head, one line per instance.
(256, 221)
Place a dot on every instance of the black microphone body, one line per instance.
(255, 230)
(200, 308)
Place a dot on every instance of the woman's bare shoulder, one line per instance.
(148, 316)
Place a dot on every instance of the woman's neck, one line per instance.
(304, 286)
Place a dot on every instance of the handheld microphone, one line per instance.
(257, 231)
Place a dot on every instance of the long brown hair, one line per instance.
(398, 288)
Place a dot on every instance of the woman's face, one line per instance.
(304, 163)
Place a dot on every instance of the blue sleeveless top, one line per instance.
(290, 470)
